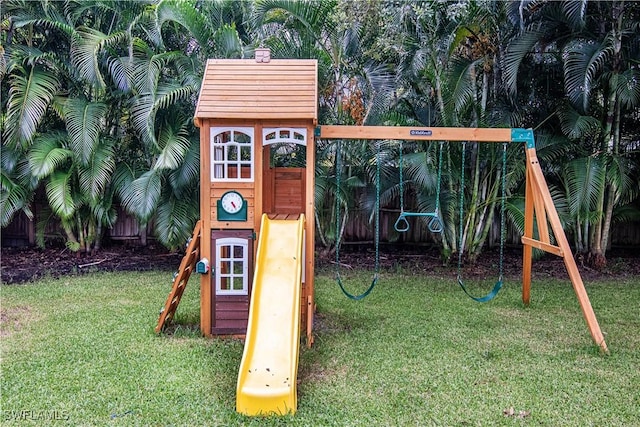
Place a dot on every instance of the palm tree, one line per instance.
(449, 75)
(594, 43)
(95, 85)
(55, 123)
(352, 90)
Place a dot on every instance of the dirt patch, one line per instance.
(622, 263)
(12, 319)
(20, 265)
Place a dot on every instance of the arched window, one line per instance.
(288, 146)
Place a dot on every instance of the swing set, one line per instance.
(539, 207)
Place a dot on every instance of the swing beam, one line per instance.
(539, 205)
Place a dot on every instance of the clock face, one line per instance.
(231, 202)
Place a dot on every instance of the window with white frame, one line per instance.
(232, 266)
(293, 135)
(288, 146)
(232, 154)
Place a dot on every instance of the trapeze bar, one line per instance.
(435, 225)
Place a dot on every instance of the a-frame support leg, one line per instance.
(538, 200)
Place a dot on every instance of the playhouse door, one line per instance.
(232, 253)
(284, 170)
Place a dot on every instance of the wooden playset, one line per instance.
(253, 247)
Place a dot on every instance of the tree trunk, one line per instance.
(609, 145)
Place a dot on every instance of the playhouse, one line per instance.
(256, 120)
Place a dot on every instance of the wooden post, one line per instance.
(310, 231)
(205, 239)
(527, 251)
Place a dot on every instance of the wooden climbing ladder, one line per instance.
(187, 266)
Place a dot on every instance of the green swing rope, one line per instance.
(377, 225)
(435, 224)
(496, 288)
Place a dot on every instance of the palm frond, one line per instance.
(123, 176)
(626, 213)
(47, 154)
(584, 177)
(518, 49)
(174, 219)
(141, 197)
(120, 73)
(31, 91)
(185, 14)
(174, 146)
(575, 12)
(620, 177)
(575, 125)
(187, 69)
(309, 14)
(52, 20)
(147, 71)
(583, 59)
(227, 42)
(84, 122)
(86, 45)
(188, 172)
(462, 76)
(141, 108)
(59, 194)
(104, 211)
(170, 93)
(95, 176)
(382, 85)
(13, 198)
(628, 89)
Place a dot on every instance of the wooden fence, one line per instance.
(22, 231)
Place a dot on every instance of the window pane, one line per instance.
(245, 153)
(232, 152)
(238, 268)
(242, 138)
(225, 267)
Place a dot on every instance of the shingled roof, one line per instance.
(246, 89)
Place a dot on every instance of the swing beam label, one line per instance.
(420, 132)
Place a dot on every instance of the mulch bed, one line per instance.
(20, 265)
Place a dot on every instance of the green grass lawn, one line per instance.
(417, 351)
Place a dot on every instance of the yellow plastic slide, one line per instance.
(269, 366)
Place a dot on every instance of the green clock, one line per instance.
(232, 207)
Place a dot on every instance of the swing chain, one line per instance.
(439, 179)
(503, 197)
(461, 209)
(377, 224)
(499, 282)
(400, 162)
